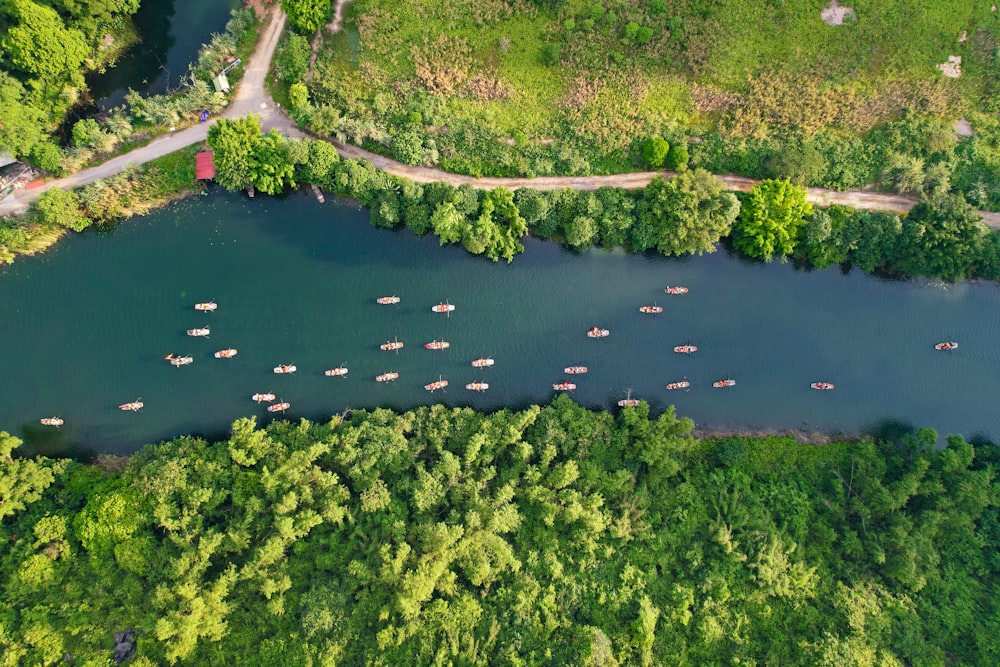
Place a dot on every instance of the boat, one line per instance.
(134, 406)
(437, 384)
(683, 384)
(628, 402)
(437, 345)
(575, 370)
(728, 382)
(477, 386)
(208, 306)
(387, 300)
(686, 349)
(226, 354)
(285, 368)
(386, 377)
(652, 310)
(336, 372)
(598, 333)
(482, 362)
(278, 407)
(179, 361)
(677, 289)
(203, 331)
(443, 308)
(51, 421)
(822, 386)
(947, 346)
(391, 345)
(260, 398)
(564, 386)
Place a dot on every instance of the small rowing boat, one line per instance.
(437, 384)
(202, 331)
(683, 384)
(686, 349)
(179, 361)
(575, 370)
(652, 310)
(477, 386)
(564, 386)
(260, 398)
(278, 407)
(482, 362)
(386, 377)
(947, 347)
(207, 307)
(336, 372)
(226, 354)
(822, 386)
(598, 333)
(437, 345)
(51, 421)
(391, 345)
(134, 406)
(628, 402)
(443, 308)
(728, 382)
(678, 289)
(387, 300)
(285, 368)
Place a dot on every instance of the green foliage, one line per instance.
(408, 147)
(41, 44)
(23, 481)
(306, 16)
(677, 158)
(941, 237)
(770, 220)
(687, 214)
(291, 61)
(246, 158)
(655, 151)
(21, 123)
(61, 208)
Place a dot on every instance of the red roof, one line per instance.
(204, 166)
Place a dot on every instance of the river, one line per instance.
(86, 327)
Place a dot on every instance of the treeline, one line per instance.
(553, 535)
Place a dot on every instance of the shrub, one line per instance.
(408, 147)
(60, 207)
(654, 151)
(677, 158)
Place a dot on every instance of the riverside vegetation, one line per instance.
(552, 535)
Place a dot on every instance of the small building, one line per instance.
(221, 83)
(204, 165)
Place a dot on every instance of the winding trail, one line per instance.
(252, 97)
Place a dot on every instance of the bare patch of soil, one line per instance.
(963, 128)
(953, 68)
(836, 14)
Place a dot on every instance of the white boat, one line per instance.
(477, 386)
(336, 372)
(391, 345)
(651, 310)
(278, 407)
(202, 331)
(437, 384)
(387, 300)
(208, 306)
(437, 345)
(686, 349)
(683, 384)
(822, 386)
(443, 308)
(387, 377)
(261, 398)
(482, 362)
(134, 406)
(179, 361)
(51, 421)
(226, 354)
(720, 384)
(564, 386)
(946, 346)
(285, 368)
(677, 289)
(575, 370)
(598, 333)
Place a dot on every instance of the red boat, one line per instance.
(202, 331)
(386, 377)
(387, 300)
(575, 370)
(336, 372)
(676, 290)
(719, 384)
(652, 310)
(598, 333)
(208, 306)
(683, 384)
(564, 386)
(51, 421)
(437, 384)
(437, 345)
(443, 308)
(134, 406)
(260, 398)
(179, 361)
(477, 386)
(822, 386)
(482, 362)
(946, 346)
(278, 407)
(226, 354)
(285, 368)
(391, 345)
(686, 349)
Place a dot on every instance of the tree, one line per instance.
(654, 151)
(40, 43)
(941, 237)
(408, 147)
(448, 223)
(291, 62)
(677, 158)
(687, 214)
(306, 16)
(318, 168)
(271, 168)
(233, 141)
(62, 208)
(22, 481)
(770, 220)
(21, 124)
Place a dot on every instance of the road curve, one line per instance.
(252, 97)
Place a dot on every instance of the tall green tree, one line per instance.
(40, 44)
(770, 220)
(688, 213)
(306, 16)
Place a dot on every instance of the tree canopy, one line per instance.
(770, 220)
(686, 214)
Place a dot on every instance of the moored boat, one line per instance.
(683, 384)
(822, 386)
(386, 377)
(285, 368)
(686, 349)
(437, 345)
(728, 382)
(575, 370)
(443, 307)
(208, 306)
(946, 346)
(482, 362)
(391, 345)
(437, 384)
(477, 386)
(261, 398)
(134, 406)
(676, 289)
(226, 354)
(336, 372)
(201, 331)
(179, 361)
(652, 310)
(597, 332)
(278, 407)
(387, 300)
(51, 421)
(564, 386)
(628, 402)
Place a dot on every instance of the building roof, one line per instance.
(204, 165)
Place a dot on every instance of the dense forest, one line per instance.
(553, 535)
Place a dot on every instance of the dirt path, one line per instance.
(334, 27)
(252, 97)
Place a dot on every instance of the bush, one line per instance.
(61, 208)
(677, 158)
(408, 147)
(292, 60)
(46, 156)
(550, 54)
(654, 151)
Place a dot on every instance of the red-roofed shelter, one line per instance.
(204, 165)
